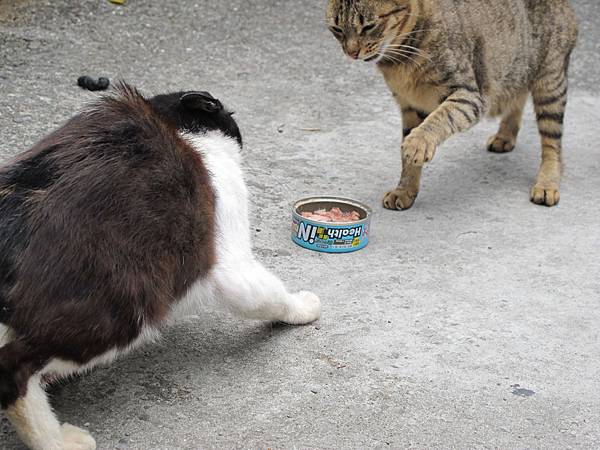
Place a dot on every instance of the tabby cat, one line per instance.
(449, 63)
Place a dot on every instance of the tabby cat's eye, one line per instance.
(368, 28)
(335, 30)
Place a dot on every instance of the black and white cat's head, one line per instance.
(197, 112)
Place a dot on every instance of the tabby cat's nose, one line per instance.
(353, 53)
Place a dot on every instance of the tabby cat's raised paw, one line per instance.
(501, 144)
(417, 149)
(400, 198)
(76, 439)
(547, 195)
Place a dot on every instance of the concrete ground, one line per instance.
(470, 321)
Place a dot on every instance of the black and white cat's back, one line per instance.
(103, 208)
(131, 214)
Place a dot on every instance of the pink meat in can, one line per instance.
(334, 214)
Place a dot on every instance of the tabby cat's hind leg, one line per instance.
(550, 101)
(505, 139)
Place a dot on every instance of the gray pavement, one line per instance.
(471, 321)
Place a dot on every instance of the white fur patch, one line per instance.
(39, 428)
(5, 335)
(222, 157)
(59, 368)
(237, 279)
(76, 439)
(34, 420)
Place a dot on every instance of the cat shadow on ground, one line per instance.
(152, 374)
(464, 173)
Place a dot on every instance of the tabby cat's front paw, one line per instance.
(417, 149)
(545, 194)
(400, 198)
(501, 144)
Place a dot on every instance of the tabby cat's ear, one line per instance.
(201, 101)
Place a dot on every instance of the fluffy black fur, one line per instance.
(104, 224)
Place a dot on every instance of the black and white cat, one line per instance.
(132, 213)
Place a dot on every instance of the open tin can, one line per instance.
(330, 237)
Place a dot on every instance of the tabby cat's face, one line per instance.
(369, 29)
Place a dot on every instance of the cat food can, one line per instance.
(330, 237)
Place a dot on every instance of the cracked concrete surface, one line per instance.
(469, 321)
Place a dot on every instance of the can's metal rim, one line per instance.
(347, 201)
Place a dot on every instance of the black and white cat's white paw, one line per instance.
(304, 308)
(74, 438)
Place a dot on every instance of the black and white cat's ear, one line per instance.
(201, 101)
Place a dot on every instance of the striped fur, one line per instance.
(449, 63)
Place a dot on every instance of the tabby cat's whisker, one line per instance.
(400, 61)
(412, 33)
(404, 55)
(388, 45)
(391, 58)
(415, 51)
(384, 56)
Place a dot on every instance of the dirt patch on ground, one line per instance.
(10, 10)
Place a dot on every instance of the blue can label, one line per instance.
(330, 239)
